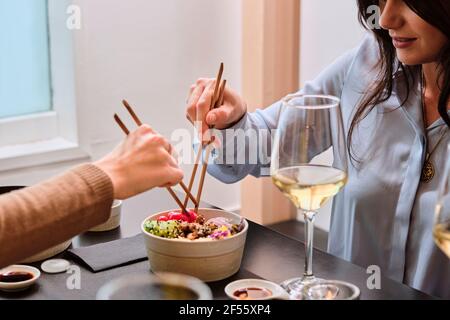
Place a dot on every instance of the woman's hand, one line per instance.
(141, 162)
(199, 101)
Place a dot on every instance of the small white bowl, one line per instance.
(114, 219)
(277, 292)
(22, 285)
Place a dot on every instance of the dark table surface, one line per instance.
(268, 255)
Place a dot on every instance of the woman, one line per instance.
(394, 90)
(36, 218)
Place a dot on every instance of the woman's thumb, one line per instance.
(217, 116)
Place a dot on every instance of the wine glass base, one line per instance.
(295, 286)
(311, 288)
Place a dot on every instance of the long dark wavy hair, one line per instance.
(436, 13)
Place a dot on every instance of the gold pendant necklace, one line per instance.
(428, 170)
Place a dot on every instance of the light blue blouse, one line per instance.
(384, 215)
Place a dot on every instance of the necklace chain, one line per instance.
(428, 169)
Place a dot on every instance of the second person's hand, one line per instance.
(223, 117)
(141, 162)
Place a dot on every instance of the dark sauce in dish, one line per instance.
(252, 293)
(15, 276)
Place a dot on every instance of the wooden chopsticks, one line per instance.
(121, 124)
(127, 132)
(191, 180)
(216, 101)
(131, 112)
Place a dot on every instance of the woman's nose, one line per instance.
(391, 15)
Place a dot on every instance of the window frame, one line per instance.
(52, 136)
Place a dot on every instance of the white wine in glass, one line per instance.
(309, 186)
(441, 230)
(309, 165)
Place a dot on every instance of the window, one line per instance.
(24, 58)
(37, 91)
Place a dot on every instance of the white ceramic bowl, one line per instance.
(277, 292)
(207, 260)
(19, 286)
(114, 219)
(50, 252)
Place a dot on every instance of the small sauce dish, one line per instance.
(255, 289)
(18, 277)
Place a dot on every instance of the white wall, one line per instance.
(328, 29)
(149, 52)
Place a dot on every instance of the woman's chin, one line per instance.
(412, 59)
(408, 59)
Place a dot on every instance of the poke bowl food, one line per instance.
(208, 245)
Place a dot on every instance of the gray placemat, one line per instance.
(112, 254)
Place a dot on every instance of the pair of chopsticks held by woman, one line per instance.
(394, 90)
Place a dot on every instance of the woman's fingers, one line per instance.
(196, 92)
(200, 103)
(193, 98)
(200, 99)
(204, 102)
(219, 117)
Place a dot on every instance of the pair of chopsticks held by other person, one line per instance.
(38, 217)
(81, 198)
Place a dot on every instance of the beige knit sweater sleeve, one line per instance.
(39, 217)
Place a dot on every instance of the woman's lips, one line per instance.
(402, 43)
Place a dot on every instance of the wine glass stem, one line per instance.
(309, 237)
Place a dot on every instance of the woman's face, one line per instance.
(416, 41)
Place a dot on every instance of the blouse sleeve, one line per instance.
(235, 159)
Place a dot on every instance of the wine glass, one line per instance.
(309, 165)
(441, 229)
